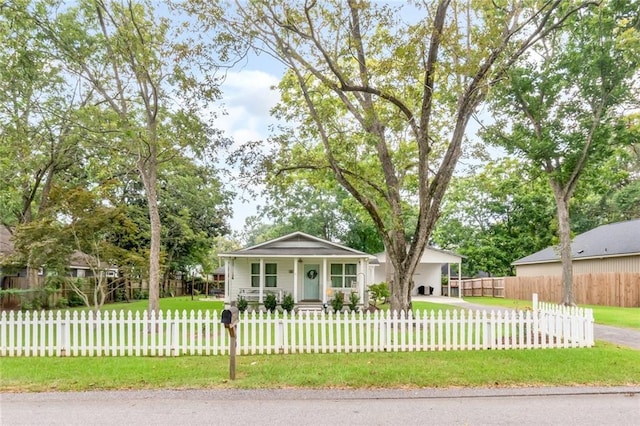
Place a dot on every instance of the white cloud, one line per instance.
(247, 98)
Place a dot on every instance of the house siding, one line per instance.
(241, 274)
(587, 266)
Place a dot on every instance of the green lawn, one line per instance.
(603, 365)
(606, 315)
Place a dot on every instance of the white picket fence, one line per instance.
(65, 333)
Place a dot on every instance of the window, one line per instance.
(343, 274)
(270, 275)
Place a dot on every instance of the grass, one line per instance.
(606, 315)
(169, 303)
(604, 365)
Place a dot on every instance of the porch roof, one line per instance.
(298, 244)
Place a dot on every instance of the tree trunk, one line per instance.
(149, 178)
(564, 231)
(32, 277)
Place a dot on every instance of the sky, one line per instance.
(247, 99)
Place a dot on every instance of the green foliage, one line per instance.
(337, 302)
(496, 215)
(73, 299)
(379, 293)
(270, 302)
(139, 294)
(354, 299)
(242, 304)
(287, 302)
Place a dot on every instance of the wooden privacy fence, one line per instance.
(173, 334)
(608, 289)
(478, 287)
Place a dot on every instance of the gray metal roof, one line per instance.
(297, 244)
(614, 239)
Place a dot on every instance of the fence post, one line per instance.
(280, 336)
(175, 350)
(62, 333)
(534, 302)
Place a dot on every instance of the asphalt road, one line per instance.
(521, 406)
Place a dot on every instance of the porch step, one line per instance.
(309, 308)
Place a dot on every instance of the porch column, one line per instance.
(448, 280)
(362, 283)
(324, 280)
(227, 281)
(460, 279)
(295, 279)
(261, 288)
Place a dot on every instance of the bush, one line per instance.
(354, 299)
(270, 302)
(287, 302)
(74, 300)
(120, 295)
(338, 301)
(140, 294)
(379, 292)
(242, 304)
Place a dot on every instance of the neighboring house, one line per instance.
(607, 248)
(427, 278)
(78, 261)
(311, 269)
(79, 266)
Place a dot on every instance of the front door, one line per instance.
(311, 282)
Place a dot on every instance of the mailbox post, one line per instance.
(230, 318)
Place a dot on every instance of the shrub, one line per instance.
(337, 302)
(354, 299)
(140, 294)
(73, 299)
(120, 295)
(242, 304)
(270, 302)
(287, 302)
(379, 292)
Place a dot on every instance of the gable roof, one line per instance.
(297, 244)
(614, 239)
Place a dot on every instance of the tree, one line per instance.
(381, 105)
(193, 211)
(562, 108)
(87, 230)
(39, 144)
(496, 215)
(126, 53)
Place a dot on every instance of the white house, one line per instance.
(311, 269)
